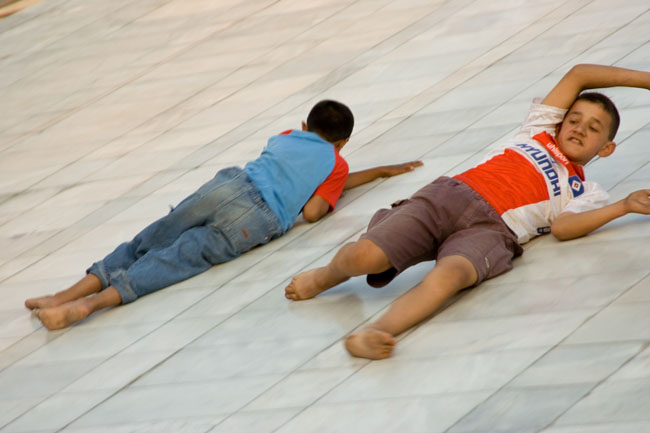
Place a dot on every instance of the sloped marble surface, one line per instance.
(113, 111)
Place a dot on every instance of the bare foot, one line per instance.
(370, 343)
(41, 302)
(64, 315)
(310, 283)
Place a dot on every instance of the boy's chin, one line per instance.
(579, 160)
(574, 157)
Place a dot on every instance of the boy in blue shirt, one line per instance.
(239, 209)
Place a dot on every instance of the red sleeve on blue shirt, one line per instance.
(332, 187)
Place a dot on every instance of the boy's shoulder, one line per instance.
(541, 117)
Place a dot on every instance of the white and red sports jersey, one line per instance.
(529, 182)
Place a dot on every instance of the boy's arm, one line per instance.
(364, 176)
(317, 207)
(569, 225)
(583, 77)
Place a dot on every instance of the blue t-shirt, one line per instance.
(289, 170)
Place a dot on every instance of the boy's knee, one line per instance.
(367, 255)
(460, 269)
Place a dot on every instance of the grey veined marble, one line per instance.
(113, 110)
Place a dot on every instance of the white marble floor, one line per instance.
(113, 110)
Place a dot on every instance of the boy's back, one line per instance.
(294, 166)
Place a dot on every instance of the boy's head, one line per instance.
(588, 129)
(332, 120)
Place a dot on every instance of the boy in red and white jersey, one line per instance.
(474, 223)
(530, 181)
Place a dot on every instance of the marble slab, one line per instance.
(114, 111)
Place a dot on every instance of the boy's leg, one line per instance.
(192, 211)
(237, 225)
(86, 286)
(195, 210)
(449, 275)
(61, 316)
(396, 238)
(353, 259)
(160, 233)
(216, 224)
(195, 251)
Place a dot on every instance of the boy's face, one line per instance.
(584, 133)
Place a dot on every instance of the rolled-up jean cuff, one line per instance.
(117, 279)
(99, 270)
(120, 281)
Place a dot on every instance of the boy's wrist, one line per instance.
(624, 207)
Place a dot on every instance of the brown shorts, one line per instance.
(444, 218)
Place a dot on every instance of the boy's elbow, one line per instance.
(579, 72)
(312, 215)
(561, 234)
(579, 68)
(576, 69)
(315, 209)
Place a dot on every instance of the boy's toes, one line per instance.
(290, 291)
(40, 302)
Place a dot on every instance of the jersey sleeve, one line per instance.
(541, 118)
(594, 197)
(332, 187)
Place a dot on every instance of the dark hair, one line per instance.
(331, 120)
(607, 105)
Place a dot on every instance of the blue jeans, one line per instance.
(221, 220)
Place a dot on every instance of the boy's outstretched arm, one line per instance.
(585, 76)
(364, 176)
(317, 207)
(569, 225)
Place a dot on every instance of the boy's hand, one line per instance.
(394, 170)
(638, 202)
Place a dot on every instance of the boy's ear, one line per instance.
(338, 144)
(304, 125)
(607, 149)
